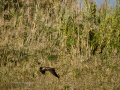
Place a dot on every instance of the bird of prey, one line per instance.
(52, 70)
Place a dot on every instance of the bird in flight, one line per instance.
(52, 70)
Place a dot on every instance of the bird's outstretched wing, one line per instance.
(52, 70)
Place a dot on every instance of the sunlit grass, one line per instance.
(83, 44)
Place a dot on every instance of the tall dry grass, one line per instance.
(82, 43)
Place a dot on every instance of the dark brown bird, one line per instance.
(52, 70)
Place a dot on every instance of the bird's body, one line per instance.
(52, 70)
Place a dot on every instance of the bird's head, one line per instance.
(40, 68)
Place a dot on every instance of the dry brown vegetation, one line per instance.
(82, 43)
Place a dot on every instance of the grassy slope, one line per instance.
(82, 44)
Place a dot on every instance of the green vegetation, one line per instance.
(82, 43)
